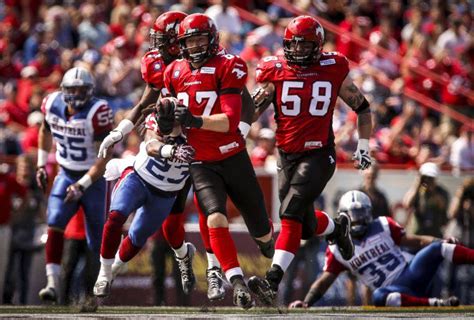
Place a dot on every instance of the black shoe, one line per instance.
(262, 289)
(215, 284)
(342, 236)
(186, 269)
(452, 301)
(267, 248)
(242, 297)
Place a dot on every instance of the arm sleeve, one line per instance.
(331, 264)
(102, 122)
(396, 230)
(231, 105)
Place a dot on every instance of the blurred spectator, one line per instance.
(186, 6)
(23, 227)
(92, 30)
(9, 145)
(461, 211)
(265, 147)
(29, 142)
(379, 201)
(462, 152)
(32, 43)
(16, 116)
(253, 50)
(427, 203)
(270, 34)
(9, 187)
(454, 40)
(225, 17)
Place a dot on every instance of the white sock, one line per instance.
(117, 260)
(447, 251)
(182, 251)
(53, 271)
(106, 268)
(212, 261)
(282, 258)
(237, 271)
(433, 301)
(394, 299)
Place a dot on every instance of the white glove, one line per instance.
(112, 138)
(361, 157)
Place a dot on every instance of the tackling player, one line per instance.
(304, 85)
(209, 86)
(160, 170)
(379, 263)
(76, 121)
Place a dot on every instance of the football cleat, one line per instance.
(89, 305)
(452, 301)
(242, 297)
(263, 290)
(185, 265)
(48, 294)
(102, 287)
(215, 284)
(342, 236)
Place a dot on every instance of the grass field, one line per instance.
(137, 313)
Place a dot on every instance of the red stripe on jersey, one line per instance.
(331, 264)
(396, 231)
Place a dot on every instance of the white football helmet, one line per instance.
(77, 87)
(359, 207)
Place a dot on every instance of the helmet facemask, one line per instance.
(202, 55)
(77, 96)
(361, 217)
(309, 55)
(166, 44)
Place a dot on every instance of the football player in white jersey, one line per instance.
(149, 187)
(77, 122)
(379, 263)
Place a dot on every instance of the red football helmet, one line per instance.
(303, 29)
(197, 25)
(164, 34)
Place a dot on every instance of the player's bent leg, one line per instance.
(398, 296)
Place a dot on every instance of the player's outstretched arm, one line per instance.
(317, 290)
(357, 102)
(44, 146)
(134, 118)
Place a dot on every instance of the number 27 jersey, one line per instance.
(304, 99)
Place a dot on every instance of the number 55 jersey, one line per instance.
(75, 135)
(304, 99)
(378, 260)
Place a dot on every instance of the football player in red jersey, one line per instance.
(208, 86)
(304, 86)
(164, 50)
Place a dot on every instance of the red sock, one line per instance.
(128, 250)
(290, 236)
(173, 229)
(224, 248)
(203, 228)
(413, 301)
(323, 222)
(463, 255)
(54, 246)
(112, 234)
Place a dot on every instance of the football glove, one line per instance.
(186, 118)
(165, 120)
(112, 138)
(181, 152)
(74, 192)
(42, 178)
(361, 157)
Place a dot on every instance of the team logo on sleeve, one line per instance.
(157, 66)
(176, 74)
(238, 73)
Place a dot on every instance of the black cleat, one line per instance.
(242, 297)
(342, 236)
(186, 269)
(215, 284)
(263, 290)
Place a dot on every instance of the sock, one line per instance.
(407, 300)
(53, 271)
(182, 251)
(128, 250)
(112, 234)
(212, 260)
(224, 248)
(234, 274)
(173, 229)
(460, 254)
(287, 243)
(106, 268)
(325, 224)
(203, 228)
(54, 246)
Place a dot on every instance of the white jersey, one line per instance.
(75, 135)
(377, 260)
(163, 174)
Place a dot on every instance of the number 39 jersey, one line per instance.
(304, 99)
(75, 135)
(378, 259)
(163, 174)
(200, 89)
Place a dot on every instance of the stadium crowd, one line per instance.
(41, 40)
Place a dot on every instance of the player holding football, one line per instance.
(304, 86)
(379, 263)
(76, 121)
(159, 172)
(208, 86)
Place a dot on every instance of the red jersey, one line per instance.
(200, 89)
(305, 99)
(152, 68)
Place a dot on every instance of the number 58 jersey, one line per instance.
(304, 99)
(378, 260)
(75, 135)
